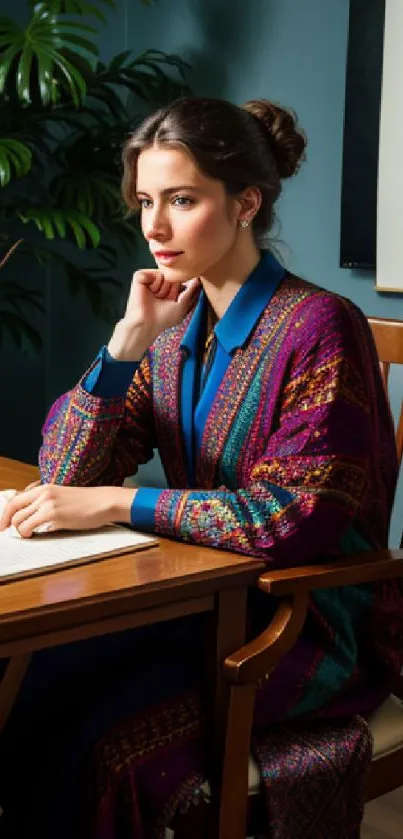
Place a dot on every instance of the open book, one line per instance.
(45, 552)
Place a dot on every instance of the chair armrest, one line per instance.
(352, 569)
(254, 661)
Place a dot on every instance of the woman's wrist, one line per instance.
(129, 342)
(120, 503)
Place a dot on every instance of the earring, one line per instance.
(244, 223)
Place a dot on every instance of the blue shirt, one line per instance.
(110, 377)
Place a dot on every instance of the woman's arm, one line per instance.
(90, 440)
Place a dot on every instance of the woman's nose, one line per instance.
(156, 225)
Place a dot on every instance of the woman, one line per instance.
(262, 394)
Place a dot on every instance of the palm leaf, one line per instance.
(145, 76)
(52, 222)
(151, 58)
(27, 338)
(103, 304)
(94, 193)
(15, 295)
(77, 7)
(16, 305)
(45, 54)
(119, 60)
(99, 89)
(15, 159)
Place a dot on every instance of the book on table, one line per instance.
(44, 552)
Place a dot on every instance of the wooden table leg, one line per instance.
(11, 683)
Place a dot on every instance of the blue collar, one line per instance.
(233, 329)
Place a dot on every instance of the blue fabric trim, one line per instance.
(202, 410)
(239, 320)
(191, 338)
(109, 377)
(188, 396)
(142, 511)
(232, 331)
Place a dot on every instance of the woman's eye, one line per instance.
(145, 203)
(182, 201)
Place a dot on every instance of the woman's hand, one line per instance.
(154, 304)
(67, 508)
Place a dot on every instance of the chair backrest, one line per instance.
(388, 335)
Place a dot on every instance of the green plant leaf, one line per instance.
(17, 304)
(118, 61)
(77, 7)
(100, 90)
(102, 303)
(6, 58)
(82, 228)
(45, 51)
(15, 158)
(76, 83)
(26, 337)
(83, 43)
(94, 193)
(91, 229)
(23, 74)
(14, 295)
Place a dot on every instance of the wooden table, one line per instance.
(162, 582)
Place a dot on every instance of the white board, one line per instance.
(389, 257)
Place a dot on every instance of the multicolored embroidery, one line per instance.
(297, 450)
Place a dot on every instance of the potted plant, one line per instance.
(64, 116)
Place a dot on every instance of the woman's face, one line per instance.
(188, 220)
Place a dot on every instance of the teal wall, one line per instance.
(291, 51)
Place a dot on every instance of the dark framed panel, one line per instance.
(361, 134)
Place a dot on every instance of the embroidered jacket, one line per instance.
(297, 462)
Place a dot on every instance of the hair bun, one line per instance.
(286, 138)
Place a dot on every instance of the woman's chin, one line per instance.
(175, 275)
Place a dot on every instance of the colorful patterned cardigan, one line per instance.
(297, 463)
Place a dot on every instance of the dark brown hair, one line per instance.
(258, 144)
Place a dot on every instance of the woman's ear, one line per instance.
(249, 202)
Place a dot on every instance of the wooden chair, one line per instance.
(239, 812)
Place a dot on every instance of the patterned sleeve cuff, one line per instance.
(169, 509)
(143, 508)
(109, 377)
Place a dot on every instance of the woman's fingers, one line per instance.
(158, 284)
(145, 277)
(19, 502)
(174, 291)
(32, 485)
(186, 296)
(21, 515)
(33, 519)
(149, 277)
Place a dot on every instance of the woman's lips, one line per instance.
(167, 257)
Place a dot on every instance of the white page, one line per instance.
(52, 550)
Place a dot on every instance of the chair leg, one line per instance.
(11, 683)
(234, 786)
